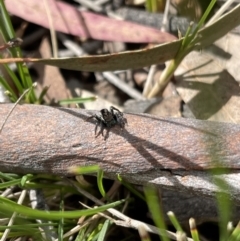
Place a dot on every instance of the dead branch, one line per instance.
(174, 153)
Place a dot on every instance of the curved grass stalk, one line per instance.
(187, 46)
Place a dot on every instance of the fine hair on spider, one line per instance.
(108, 119)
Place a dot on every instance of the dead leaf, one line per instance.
(70, 20)
(226, 50)
(208, 89)
(51, 76)
(166, 107)
(140, 58)
(189, 8)
(110, 62)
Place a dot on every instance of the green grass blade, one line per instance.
(206, 14)
(224, 208)
(26, 226)
(14, 78)
(25, 179)
(155, 209)
(43, 93)
(204, 17)
(11, 206)
(235, 236)
(8, 33)
(187, 39)
(61, 223)
(174, 221)
(100, 182)
(85, 170)
(193, 229)
(10, 183)
(103, 231)
(77, 100)
(131, 188)
(7, 87)
(8, 176)
(5, 23)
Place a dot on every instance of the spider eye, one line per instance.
(104, 111)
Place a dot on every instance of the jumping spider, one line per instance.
(108, 119)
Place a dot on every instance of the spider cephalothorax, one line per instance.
(109, 119)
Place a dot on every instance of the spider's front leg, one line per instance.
(112, 108)
(121, 121)
(100, 122)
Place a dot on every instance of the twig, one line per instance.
(20, 201)
(16, 103)
(149, 82)
(165, 16)
(174, 153)
(218, 14)
(113, 79)
(91, 5)
(52, 29)
(37, 202)
(124, 221)
(71, 45)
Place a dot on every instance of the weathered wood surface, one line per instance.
(173, 153)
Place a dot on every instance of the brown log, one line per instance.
(174, 153)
